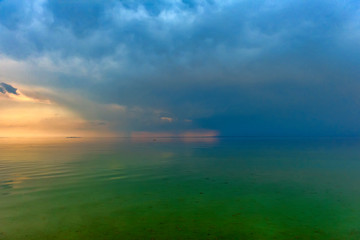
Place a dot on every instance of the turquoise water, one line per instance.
(200, 188)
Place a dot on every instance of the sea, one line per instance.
(179, 188)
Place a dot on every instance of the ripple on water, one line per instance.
(181, 190)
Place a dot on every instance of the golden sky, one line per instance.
(30, 111)
(25, 116)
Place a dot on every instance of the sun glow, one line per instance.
(24, 116)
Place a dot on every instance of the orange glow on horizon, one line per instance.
(22, 117)
(200, 134)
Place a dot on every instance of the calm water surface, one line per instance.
(179, 189)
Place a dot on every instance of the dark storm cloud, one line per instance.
(239, 67)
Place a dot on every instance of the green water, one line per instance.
(179, 189)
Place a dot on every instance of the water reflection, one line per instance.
(181, 189)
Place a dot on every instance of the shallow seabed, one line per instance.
(230, 188)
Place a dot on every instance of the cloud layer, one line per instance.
(259, 68)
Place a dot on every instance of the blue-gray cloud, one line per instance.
(239, 67)
(7, 88)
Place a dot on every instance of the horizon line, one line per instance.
(220, 136)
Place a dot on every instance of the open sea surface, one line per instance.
(181, 188)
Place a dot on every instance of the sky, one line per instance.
(179, 68)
